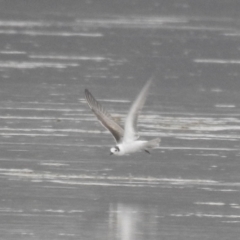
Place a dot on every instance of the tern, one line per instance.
(126, 139)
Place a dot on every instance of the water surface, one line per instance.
(58, 180)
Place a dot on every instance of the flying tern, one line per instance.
(127, 138)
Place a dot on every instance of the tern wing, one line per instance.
(104, 117)
(130, 132)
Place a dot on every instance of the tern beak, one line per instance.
(111, 153)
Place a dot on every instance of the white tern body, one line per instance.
(127, 138)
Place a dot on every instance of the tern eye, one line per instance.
(117, 149)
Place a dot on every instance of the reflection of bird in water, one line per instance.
(127, 138)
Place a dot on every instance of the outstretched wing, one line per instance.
(104, 117)
(130, 133)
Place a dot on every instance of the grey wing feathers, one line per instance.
(130, 133)
(104, 117)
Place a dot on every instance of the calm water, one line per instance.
(57, 178)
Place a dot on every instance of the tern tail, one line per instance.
(152, 143)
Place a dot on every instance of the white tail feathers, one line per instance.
(152, 143)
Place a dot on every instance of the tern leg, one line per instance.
(147, 151)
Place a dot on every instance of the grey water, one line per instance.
(57, 178)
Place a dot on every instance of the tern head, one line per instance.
(115, 150)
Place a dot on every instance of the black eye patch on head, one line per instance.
(117, 148)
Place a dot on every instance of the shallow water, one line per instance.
(57, 178)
